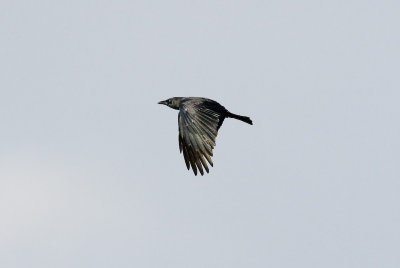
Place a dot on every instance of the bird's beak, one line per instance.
(163, 102)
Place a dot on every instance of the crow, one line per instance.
(199, 120)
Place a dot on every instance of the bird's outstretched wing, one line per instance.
(198, 123)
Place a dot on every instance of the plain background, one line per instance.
(90, 171)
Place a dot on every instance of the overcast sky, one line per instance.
(90, 170)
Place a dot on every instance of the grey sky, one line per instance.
(90, 170)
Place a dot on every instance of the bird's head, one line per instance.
(172, 102)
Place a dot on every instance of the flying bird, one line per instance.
(199, 120)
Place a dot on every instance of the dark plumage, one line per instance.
(199, 120)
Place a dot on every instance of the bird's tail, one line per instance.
(241, 118)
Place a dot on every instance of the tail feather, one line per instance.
(245, 119)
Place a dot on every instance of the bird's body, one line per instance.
(199, 120)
